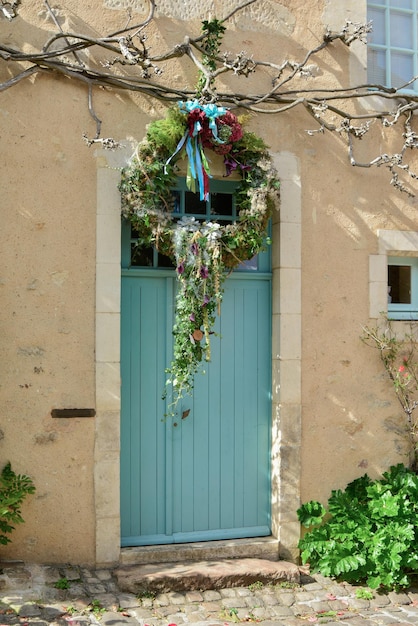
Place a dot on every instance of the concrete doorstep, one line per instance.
(203, 575)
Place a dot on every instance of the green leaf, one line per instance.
(374, 582)
(358, 487)
(386, 505)
(13, 490)
(311, 513)
(349, 563)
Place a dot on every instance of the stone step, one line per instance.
(260, 548)
(203, 575)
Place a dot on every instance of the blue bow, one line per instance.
(198, 167)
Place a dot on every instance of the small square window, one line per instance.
(402, 288)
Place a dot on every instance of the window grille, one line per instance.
(392, 52)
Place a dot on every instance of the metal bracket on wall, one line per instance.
(73, 413)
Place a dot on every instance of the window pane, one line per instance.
(401, 30)
(141, 256)
(193, 204)
(399, 284)
(376, 66)
(402, 69)
(377, 35)
(251, 264)
(401, 4)
(176, 201)
(165, 261)
(221, 204)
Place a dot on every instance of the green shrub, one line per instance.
(13, 490)
(369, 533)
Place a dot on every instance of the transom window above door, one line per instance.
(220, 207)
(392, 58)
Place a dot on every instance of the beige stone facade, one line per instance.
(334, 413)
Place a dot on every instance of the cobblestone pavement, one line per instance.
(34, 595)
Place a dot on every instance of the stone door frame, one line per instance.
(286, 358)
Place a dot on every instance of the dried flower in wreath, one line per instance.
(202, 252)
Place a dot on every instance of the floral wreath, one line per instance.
(203, 252)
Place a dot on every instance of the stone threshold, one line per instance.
(266, 548)
(157, 578)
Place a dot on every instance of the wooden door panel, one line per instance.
(143, 443)
(206, 476)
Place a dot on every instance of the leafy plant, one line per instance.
(257, 585)
(96, 608)
(62, 583)
(230, 615)
(369, 533)
(364, 594)
(13, 490)
(146, 594)
(327, 613)
(213, 31)
(286, 584)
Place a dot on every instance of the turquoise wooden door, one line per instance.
(204, 474)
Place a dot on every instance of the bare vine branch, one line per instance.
(399, 359)
(58, 25)
(9, 9)
(141, 71)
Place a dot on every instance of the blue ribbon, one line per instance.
(177, 150)
(193, 145)
(212, 111)
(191, 156)
(199, 167)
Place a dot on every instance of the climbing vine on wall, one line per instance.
(132, 65)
